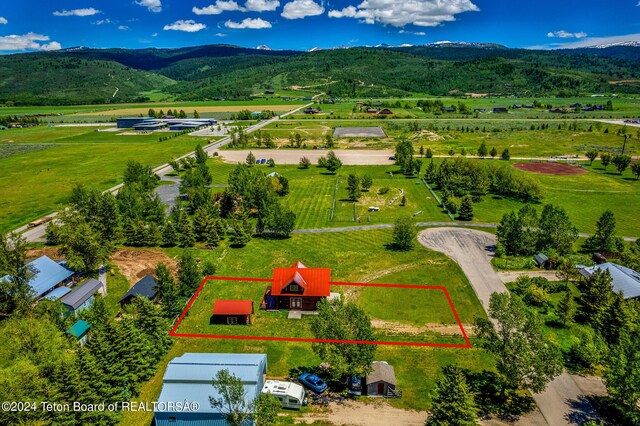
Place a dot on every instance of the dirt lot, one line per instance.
(375, 414)
(550, 168)
(135, 264)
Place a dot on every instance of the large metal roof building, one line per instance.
(189, 378)
(623, 279)
(46, 275)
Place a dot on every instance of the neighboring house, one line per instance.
(311, 111)
(623, 279)
(385, 111)
(83, 296)
(80, 330)
(542, 261)
(269, 92)
(57, 293)
(46, 276)
(297, 288)
(501, 110)
(189, 378)
(381, 381)
(232, 312)
(146, 287)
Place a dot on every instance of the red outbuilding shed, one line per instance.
(232, 312)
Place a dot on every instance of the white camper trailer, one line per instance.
(291, 395)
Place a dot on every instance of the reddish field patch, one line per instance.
(550, 168)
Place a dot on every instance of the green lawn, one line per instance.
(34, 183)
(360, 257)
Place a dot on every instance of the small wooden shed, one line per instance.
(232, 312)
(381, 381)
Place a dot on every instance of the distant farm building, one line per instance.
(381, 381)
(297, 288)
(189, 378)
(82, 297)
(312, 111)
(359, 132)
(385, 111)
(542, 261)
(232, 312)
(269, 92)
(46, 276)
(150, 123)
(623, 279)
(500, 110)
(146, 288)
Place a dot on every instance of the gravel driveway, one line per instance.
(563, 401)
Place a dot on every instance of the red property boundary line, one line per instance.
(467, 344)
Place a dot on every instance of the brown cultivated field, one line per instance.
(550, 168)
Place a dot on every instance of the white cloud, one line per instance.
(152, 5)
(422, 13)
(418, 33)
(217, 8)
(261, 5)
(221, 35)
(189, 26)
(298, 9)
(154, 35)
(123, 27)
(3, 20)
(102, 22)
(565, 34)
(248, 23)
(89, 11)
(29, 41)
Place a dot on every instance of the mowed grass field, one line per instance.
(357, 256)
(135, 111)
(315, 194)
(36, 182)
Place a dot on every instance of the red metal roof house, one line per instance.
(232, 312)
(297, 288)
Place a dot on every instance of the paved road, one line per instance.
(168, 193)
(563, 401)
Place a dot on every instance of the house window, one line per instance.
(294, 288)
(232, 320)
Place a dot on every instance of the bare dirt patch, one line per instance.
(357, 414)
(135, 264)
(431, 136)
(50, 252)
(559, 169)
(400, 328)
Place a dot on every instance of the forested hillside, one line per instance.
(199, 73)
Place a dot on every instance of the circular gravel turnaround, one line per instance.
(550, 168)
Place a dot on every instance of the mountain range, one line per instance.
(85, 75)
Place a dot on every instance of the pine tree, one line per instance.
(240, 232)
(202, 223)
(186, 234)
(148, 319)
(493, 152)
(566, 308)
(466, 208)
(188, 273)
(169, 235)
(129, 233)
(153, 236)
(453, 402)
(168, 293)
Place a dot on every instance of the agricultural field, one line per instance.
(46, 162)
(530, 138)
(348, 263)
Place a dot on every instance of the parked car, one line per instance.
(374, 209)
(263, 161)
(392, 158)
(354, 385)
(313, 382)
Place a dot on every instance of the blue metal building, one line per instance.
(189, 377)
(128, 122)
(46, 275)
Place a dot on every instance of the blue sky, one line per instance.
(304, 24)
